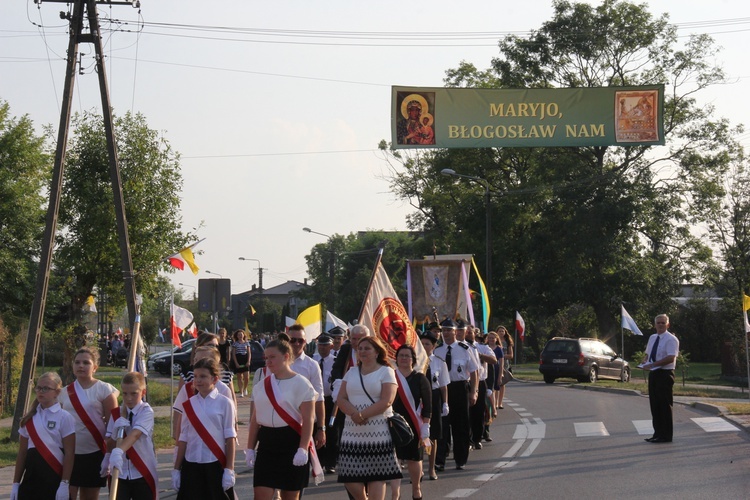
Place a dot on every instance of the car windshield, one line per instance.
(561, 347)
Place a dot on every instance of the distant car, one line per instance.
(161, 360)
(584, 359)
(182, 359)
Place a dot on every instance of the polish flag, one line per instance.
(520, 325)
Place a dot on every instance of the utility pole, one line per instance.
(36, 319)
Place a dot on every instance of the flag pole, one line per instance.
(171, 365)
(745, 333)
(369, 285)
(622, 334)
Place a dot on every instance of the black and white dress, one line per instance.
(366, 452)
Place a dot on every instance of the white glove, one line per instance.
(445, 411)
(120, 423)
(227, 480)
(300, 458)
(176, 479)
(489, 393)
(63, 492)
(335, 388)
(250, 458)
(117, 458)
(424, 430)
(104, 471)
(14, 491)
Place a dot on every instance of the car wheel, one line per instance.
(549, 379)
(625, 375)
(593, 375)
(176, 369)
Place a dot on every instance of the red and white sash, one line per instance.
(87, 414)
(132, 454)
(293, 418)
(45, 444)
(210, 435)
(406, 397)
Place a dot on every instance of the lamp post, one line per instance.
(260, 272)
(487, 220)
(331, 267)
(191, 286)
(215, 274)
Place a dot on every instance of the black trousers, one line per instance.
(330, 452)
(660, 383)
(456, 424)
(476, 414)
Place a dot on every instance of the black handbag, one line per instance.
(401, 433)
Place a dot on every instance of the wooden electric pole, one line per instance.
(36, 320)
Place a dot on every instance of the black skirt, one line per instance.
(242, 360)
(273, 465)
(39, 480)
(86, 471)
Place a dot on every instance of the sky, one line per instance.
(278, 119)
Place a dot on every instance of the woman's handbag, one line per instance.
(401, 433)
(507, 377)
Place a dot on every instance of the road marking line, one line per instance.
(526, 414)
(532, 447)
(506, 465)
(514, 449)
(589, 429)
(644, 427)
(486, 477)
(520, 409)
(714, 424)
(461, 493)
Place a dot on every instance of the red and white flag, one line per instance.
(179, 320)
(520, 325)
(385, 316)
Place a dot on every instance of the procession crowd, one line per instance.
(345, 410)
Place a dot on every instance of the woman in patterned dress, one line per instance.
(366, 453)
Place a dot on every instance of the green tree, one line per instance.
(87, 250)
(24, 173)
(586, 225)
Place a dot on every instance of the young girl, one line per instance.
(281, 425)
(90, 401)
(241, 359)
(204, 465)
(46, 445)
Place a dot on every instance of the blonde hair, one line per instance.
(134, 378)
(54, 377)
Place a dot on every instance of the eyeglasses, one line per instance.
(296, 341)
(44, 389)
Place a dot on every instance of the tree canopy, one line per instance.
(597, 226)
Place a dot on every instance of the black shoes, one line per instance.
(460, 467)
(655, 439)
(439, 467)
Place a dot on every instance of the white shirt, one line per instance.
(462, 360)
(96, 394)
(438, 373)
(219, 410)
(57, 421)
(668, 346)
(326, 374)
(183, 396)
(295, 391)
(484, 350)
(309, 368)
(143, 420)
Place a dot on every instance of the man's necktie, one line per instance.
(321, 366)
(652, 357)
(448, 360)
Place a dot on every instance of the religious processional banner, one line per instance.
(436, 117)
(437, 287)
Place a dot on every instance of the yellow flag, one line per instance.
(187, 255)
(310, 319)
(745, 302)
(252, 310)
(247, 329)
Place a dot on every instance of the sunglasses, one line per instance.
(296, 341)
(43, 389)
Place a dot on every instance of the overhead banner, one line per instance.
(436, 117)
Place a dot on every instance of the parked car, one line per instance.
(584, 359)
(167, 353)
(182, 359)
(162, 359)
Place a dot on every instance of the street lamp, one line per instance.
(191, 286)
(331, 266)
(488, 223)
(215, 274)
(260, 272)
